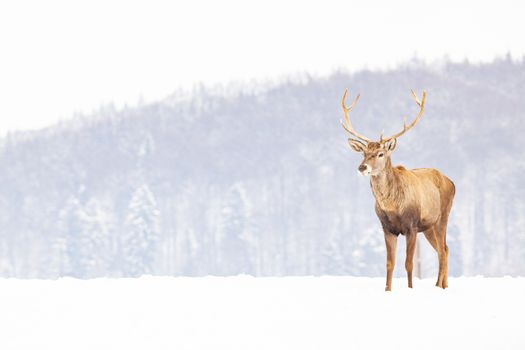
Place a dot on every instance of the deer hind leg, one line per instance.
(431, 238)
(409, 261)
(442, 251)
(441, 230)
(434, 237)
(442, 239)
(445, 276)
(391, 245)
(442, 256)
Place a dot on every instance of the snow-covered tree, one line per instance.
(141, 233)
(96, 229)
(83, 247)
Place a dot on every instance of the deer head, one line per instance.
(376, 154)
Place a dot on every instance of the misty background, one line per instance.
(258, 178)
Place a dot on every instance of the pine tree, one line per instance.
(141, 233)
(83, 245)
(95, 251)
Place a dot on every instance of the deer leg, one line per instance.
(442, 241)
(442, 250)
(442, 281)
(391, 245)
(430, 235)
(445, 275)
(442, 236)
(409, 261)
(433, 237)
(441, 259)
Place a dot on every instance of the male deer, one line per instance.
(407, 201)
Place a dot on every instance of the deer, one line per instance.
(407, 202)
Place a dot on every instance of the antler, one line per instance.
(421, 105)
(348, 127)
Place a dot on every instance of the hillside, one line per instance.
(263, 182)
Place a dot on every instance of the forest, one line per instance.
(257, 178)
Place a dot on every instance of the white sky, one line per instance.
(58, 57)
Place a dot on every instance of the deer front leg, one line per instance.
(445, 274)
(409, 261)
(391, 245)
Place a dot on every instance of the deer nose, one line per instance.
(362, 167)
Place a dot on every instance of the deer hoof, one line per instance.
(388, 289)
(441, 285)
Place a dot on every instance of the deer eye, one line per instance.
(380, 155)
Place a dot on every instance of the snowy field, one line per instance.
(261, 313)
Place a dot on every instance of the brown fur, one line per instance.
(408, 202)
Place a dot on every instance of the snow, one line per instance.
(261, 313)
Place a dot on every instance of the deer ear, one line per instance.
(390, 145)
(357, 145)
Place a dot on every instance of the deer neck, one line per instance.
(386, 187)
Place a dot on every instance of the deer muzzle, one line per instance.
(364, 169)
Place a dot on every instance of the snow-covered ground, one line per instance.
(261, 313)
